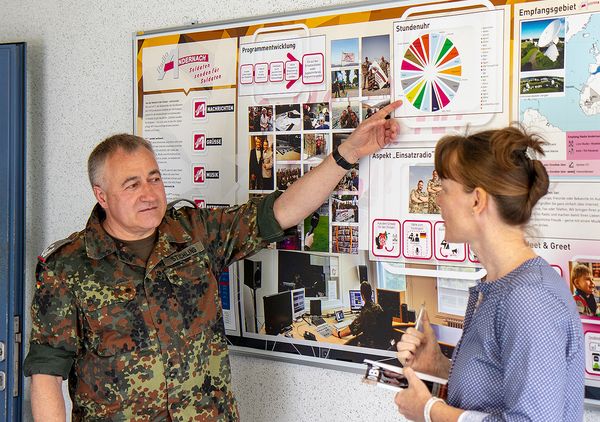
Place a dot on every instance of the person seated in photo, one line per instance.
(366, 325)
(581, 278)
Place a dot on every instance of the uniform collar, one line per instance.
(99, 244)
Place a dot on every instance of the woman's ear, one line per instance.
(480, 200)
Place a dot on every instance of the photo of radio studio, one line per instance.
(346, 301)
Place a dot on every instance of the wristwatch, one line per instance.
(341, 161)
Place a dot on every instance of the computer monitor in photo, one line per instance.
(278, 312)
(390, 301)
(298, 304)
(356, 302)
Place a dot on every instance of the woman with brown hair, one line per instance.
(521, 353)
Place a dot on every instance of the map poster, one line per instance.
(444, 67)
(558, 82)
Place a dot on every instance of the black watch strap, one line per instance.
(341, 161)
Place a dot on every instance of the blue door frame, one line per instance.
(12, 224)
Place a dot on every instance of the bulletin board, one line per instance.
(235, 110)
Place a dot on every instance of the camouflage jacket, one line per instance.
(145, 341)
(366, 323)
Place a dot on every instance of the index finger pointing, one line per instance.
(389, 108)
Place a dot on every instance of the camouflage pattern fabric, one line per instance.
(433, 207)
(417, 207)
(366, 324)
(146, 340)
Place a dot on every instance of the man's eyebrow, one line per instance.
(130, 179)
(137, 178)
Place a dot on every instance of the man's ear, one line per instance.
(100, 196)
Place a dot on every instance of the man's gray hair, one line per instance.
(126, 142)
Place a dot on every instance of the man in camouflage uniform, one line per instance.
(418, 200)
(128, 309)
(434, 186)
(366, 323)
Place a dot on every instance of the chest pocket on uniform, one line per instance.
(195, 290)
(114, 319)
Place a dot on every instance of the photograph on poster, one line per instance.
(344, 83)
(315, 146)
(292, 242)
(288, 117)
(338, 138)
(345, 114)
(350, 182)
(344, 239)
(260, 118)
(286, 175)
(371, 107)
(543, 45)
(349, 309)
(344, 52)
(344, 208)
(584, 278)
(315, 116)
(425, 186)
(316, 230)
(288, 147)
(345, 301)
(542, 56)
(256, 160)
(375, 66)
(267, 164)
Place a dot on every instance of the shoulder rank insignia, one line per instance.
(55, 246)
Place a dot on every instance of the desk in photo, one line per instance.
(301, 326)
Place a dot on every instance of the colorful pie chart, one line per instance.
(430, 72)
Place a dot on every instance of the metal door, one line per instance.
(12, 216)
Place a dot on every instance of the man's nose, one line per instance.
(147, 193)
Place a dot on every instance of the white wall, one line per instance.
(79, 92)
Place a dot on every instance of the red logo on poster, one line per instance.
(199, 174)
(200, 109)
(199, 141)
(200, 203)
